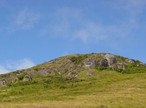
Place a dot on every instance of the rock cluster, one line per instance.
(108, 60)
(111, 59)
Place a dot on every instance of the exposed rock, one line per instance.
(43, 72)
(143, 64)
(69, 75)
(27, 78)
(2, 83)
(103, 63)
(121, 66)
(111, 59)
(87, 66)
(130, 61)
(90, 62)
(72, 75)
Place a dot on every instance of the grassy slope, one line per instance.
(104, 89)
(93, 88)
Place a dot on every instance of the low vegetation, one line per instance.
(71, 85)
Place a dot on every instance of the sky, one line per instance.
(36, 31)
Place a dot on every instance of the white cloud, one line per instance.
(16, 65)
(21, 64)
(3, 70)
(63, 19)
(91, 32)
(72, 24)
(23, 20)
(97, 33)
(134, 7)
(132, 4)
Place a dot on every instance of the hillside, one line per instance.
(97, 80)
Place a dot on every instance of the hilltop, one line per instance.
(71, 78)
(70, 66)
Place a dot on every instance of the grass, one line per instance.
(102, 89)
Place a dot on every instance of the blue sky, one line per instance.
(35, 31)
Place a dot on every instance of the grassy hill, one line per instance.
(96, 80)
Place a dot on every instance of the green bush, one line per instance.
(134, 69)
(21, 76)
(78, 59)
(101, 68)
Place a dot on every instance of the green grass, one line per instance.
(102, 89)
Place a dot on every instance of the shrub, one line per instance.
(21, 76)
(78, 59)
(101, 68)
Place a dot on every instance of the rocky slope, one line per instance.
(71, 67)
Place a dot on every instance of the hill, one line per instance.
(97, 80)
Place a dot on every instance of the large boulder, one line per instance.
(90, 62)
(93, 62)
(111, 59)
(103, 63)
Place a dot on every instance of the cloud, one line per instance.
(94, 32)
(91, 32)
(3, 70)
(23, 20)
(74, 24)
(62, 23)
(16, 65)
(71, 24)
(132, 6)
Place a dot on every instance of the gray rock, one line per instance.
(90, 62)
(2, 83)
(27, 78)
(121, 66)
(72, 75)
(111, 59)
(103, 63)
(130, 61)
(43, 72)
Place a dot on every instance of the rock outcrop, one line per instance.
(90, 62)
(27, 78)
(121, 66)
(107, 60)
(2, 83)
(111, 59)
(103, 62)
